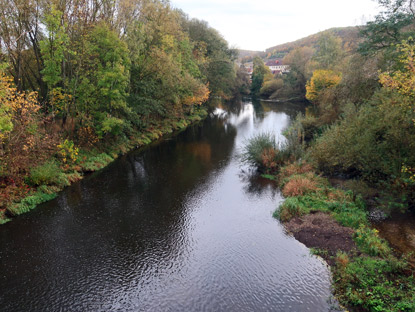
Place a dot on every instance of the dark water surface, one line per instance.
(179, 226)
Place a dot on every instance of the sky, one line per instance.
(261, 24)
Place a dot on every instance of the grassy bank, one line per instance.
(71, 164)
(367, 274)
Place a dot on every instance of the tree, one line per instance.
(329, 51)
(53, 48)
(299, 60)
(321, 81)
(391, 26)
(259, 74)
(403, 81)
(102, 90)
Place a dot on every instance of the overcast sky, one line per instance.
(260, 24)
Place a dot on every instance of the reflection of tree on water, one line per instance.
(255, 184)
(290, 108)
(261, 107)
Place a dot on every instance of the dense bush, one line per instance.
(48, 174)
(271, 86)
(372, 141)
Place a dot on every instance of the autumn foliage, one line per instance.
(321, 81)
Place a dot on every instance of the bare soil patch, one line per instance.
(320, 230)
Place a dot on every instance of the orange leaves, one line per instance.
(200, 96)
(268, 158)
(299, 185)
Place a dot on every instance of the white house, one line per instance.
(276, 67)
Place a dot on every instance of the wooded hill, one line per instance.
(349, 36)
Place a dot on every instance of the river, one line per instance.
(180, 225)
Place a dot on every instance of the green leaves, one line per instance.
(53, 48)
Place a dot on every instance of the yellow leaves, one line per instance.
(409, 172)
(402, 81)
(18, 110)
(168, 42)
(60, 101)
(320, 81)
(68, 151)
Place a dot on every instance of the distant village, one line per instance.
(275, 66)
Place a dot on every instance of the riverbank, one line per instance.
(367, 274)
(56, 173)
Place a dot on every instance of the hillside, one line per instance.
(349, 36)
(248, 55)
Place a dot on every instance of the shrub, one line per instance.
(359, 187)
(371, 141)
(294, 168)
(48, 174)
(321, 81)
(299, 185)
(311, 126)
(369, 242)
(271, 86)
(68, 151)
(255, 147)
(289, 209)
(294, 146)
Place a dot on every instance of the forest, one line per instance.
(83, 81)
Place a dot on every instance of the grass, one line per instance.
(91, 162)
(255, 147)
(375, 284)
(370, 278)
(30, 202)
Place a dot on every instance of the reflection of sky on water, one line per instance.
(249, 123)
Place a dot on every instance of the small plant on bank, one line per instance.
(301, 184)
(298, 167)
(92, 163)
(291, 208)
(366, 282)
(30, 202)
(68, 151)
(319, 252)
(370, 243)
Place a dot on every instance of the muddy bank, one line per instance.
(320, 231)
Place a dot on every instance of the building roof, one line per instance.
(274, 62)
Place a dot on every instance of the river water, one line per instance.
(179, 226)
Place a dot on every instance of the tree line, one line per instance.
(361, 123)
(78, 74)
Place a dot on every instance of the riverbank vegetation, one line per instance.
(82, 82)
(360, 128)
(361, 122)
